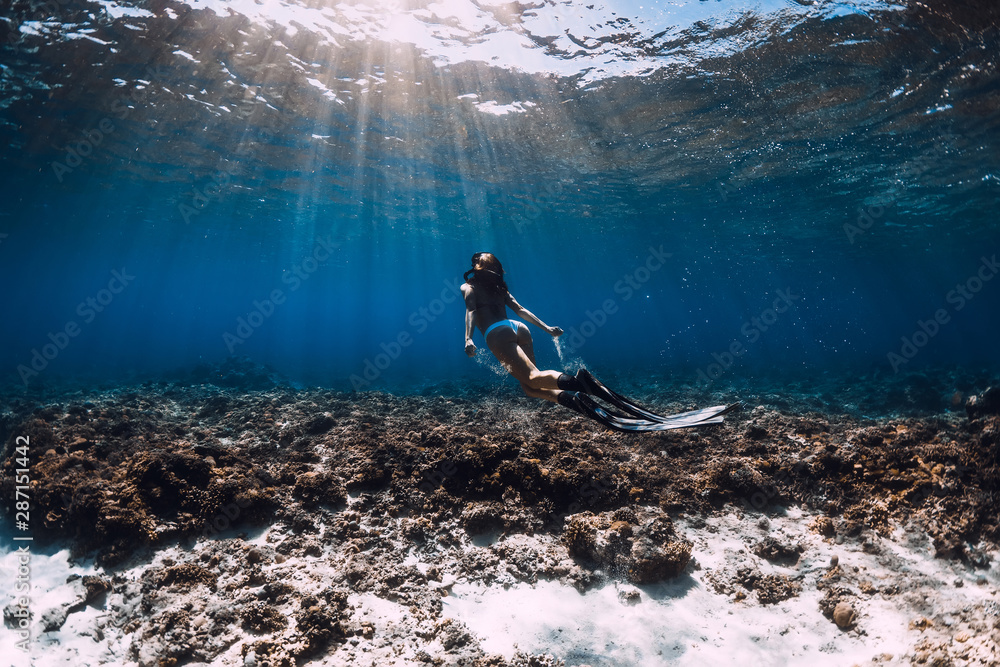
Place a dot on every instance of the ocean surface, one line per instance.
(689, 189)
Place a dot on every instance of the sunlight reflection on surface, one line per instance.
(595, 40)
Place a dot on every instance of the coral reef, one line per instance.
(363, 482)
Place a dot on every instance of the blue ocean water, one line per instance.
(696, 189)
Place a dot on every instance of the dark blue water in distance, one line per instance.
(303, 183)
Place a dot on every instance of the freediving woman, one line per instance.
(486, 301)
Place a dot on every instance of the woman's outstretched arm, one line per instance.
(529, 316)
(470, 308)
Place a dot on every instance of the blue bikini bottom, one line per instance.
(510, 323)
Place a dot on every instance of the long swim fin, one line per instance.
(712, 415)
(586, 406)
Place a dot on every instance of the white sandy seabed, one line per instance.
(922, 608)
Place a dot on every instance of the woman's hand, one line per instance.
(555, 332)
(470, 347)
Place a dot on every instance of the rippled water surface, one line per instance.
(654, 176)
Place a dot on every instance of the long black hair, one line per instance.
(487, 273)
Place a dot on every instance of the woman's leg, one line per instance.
(525, 342)
(504, 343)
(544, 394)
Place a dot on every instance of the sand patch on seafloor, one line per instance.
(685, 622)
